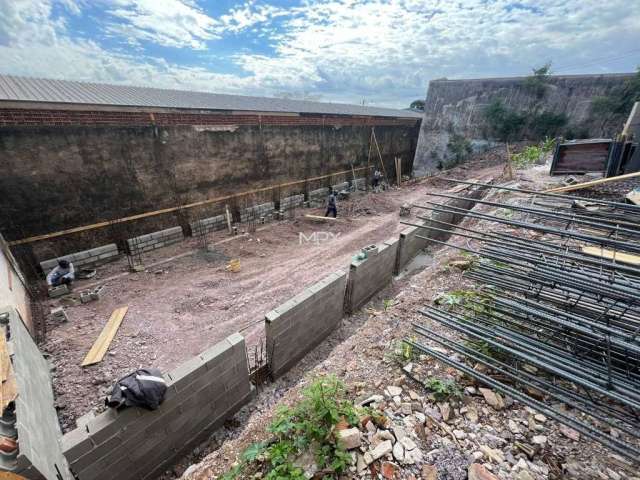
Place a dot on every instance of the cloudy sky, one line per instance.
(380, 52)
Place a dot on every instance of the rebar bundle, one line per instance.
(555, 321)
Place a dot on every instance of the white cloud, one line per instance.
(171, 23)
(345, 50)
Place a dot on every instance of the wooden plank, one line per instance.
(611, 255)
(318, 217)
(8, 385)
(101, 345)
(208, 201)
(600, 181)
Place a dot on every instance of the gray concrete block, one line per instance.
(303, 322)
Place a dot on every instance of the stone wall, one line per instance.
(137, 444)
(297, 326)
(457, 106)
(40, 455)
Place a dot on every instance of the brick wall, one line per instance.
(136, 444)
(39, 434)
(152, 241)
(92, 257)
(370, 275)
(300, 324)
(36, 117)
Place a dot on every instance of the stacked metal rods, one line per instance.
(556, 318)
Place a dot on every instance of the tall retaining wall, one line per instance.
(40, 450)
(126, 169)
(457, 107)
(136, 444)
(297, 326)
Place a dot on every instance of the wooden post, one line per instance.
(226, 208)
(384, 170)
(509, 166)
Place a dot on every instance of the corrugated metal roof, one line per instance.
(26, 89)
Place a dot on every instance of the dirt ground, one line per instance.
(180, 307)
(360, 353)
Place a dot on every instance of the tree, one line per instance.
(417, 105)
(537, 83)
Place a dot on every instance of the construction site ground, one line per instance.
(186, 300)
(362, 353)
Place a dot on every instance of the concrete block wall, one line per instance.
(134, 443)
(92, 257)
(262, 210)
(340, 186)
(295, 201)
(318, 197)
(152, 241)
(410, 244)
(359, 184)
(40, 456)
(300, 324)
(370, 275)
(206, 225)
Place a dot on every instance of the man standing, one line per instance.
(376, 180)
(63, 274)
(331, 205)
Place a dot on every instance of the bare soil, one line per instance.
(180, 307)
(360, 353)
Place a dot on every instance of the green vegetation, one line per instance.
(533, 154)
(507, 125)
(504, 123)
(443, 389)
(460, 148)
(620, 100)
(387, 303)
(537, 83)
(401, 352)
(417, 105)
(309, 426)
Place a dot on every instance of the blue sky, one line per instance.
(380, 52)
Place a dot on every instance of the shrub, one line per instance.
(461, 149)
(309, 425)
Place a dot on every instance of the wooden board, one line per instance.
(101, 345)
(8, 386)
(592, 183)
(611, 255)
(318, 217)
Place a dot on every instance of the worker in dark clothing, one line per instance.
(377, 176)
(331, 205)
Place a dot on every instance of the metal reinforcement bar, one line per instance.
(571, 318)
(560, 232)
(620, 205)
(621, 447)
